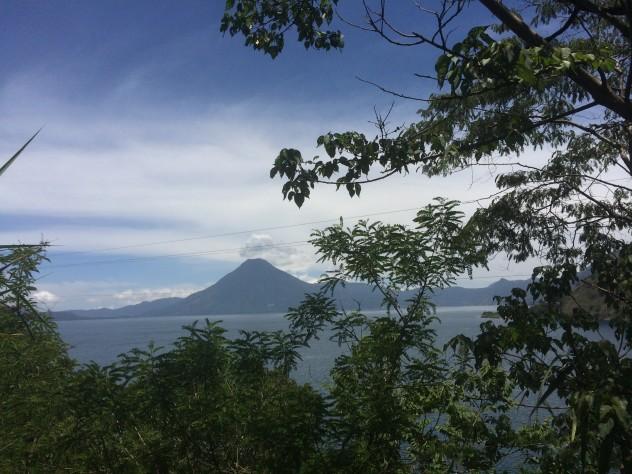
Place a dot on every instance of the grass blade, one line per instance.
(12, 159)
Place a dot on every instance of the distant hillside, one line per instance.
(458, 296)
(65, 316)
(256, 286)
(146, 307)
(587, 297)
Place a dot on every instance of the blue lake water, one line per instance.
(102, 340)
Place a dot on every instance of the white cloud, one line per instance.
(294, 257)
(45, 297)
(78, 294)
(200, 172)
(174, 176)
(133, 296)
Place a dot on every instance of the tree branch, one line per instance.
(598, 90)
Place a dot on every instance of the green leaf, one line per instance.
(12, 159)
(441, 66)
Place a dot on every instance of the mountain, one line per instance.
(589, 298)
(146, 307)
(256, 286)
(458, 296)
(65, 316)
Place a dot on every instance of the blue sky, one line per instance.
(159, 130)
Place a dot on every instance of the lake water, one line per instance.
(102, 340)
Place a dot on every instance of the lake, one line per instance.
(102, 340)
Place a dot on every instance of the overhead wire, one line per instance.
(226, 234)
(237, 249)
(184, 254)
(238, 232)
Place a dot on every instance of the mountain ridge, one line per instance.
(256, 286)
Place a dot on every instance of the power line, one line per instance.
(27, 246)
(184, 254)
(250, 231)
(228, 234)
(239, 232)
(224, 251)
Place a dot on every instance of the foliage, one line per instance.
(17, 265)
(34, 368)
(523, 83)
(191, 409)
(395, 402)
(10, 161)
(398, 404)
(207, 404)
(200, 406)
(264, 23)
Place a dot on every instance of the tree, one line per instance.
(208, 404)
(524, 82)
(34, 366)
(397, 403)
